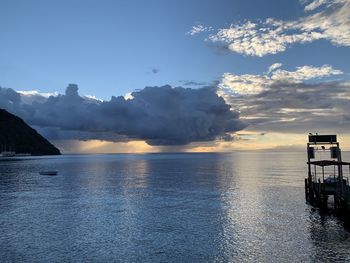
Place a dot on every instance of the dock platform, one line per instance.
(326, 177)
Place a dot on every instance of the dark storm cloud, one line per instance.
(9, 99)
(158, 115)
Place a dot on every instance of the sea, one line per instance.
(176, 207)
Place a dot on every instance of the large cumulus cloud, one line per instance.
(158, 115)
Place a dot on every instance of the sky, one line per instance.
(152, 76)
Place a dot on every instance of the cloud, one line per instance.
(311, 5)
(273, 36)
(9, 99)
(316, 4)
(193, 83)
(244, 84)
(273, 67)
(304, 73)
(255, 84)
(157, 115)
(291, 107)
(290, 101)
(155, 70)
(198, 29)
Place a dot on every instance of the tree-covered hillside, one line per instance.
(20, 137)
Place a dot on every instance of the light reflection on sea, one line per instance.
(237, 207)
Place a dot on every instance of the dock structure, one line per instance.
(6, 151)
(326, 177)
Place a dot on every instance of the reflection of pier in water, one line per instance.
(325, 176)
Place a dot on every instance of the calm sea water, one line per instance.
(239, 207)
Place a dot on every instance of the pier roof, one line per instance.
(328, 163)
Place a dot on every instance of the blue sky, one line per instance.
(280, 70)
(111, 47)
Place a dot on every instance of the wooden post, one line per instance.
(323, 173)
(309, 184)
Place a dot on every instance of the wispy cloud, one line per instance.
(290, 101)
(198, 29)
(273, 67)
(304, 73)
(273, 36)
(314, 4)
(192, 83)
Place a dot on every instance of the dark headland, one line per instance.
(21, 138)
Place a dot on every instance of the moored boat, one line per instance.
(52, 172)
(7, 154)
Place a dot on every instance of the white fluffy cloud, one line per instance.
(254, 84)
(273, 36)
(244, 84)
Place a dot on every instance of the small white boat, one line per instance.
(48, 172)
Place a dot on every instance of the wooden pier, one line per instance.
(326, 176)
